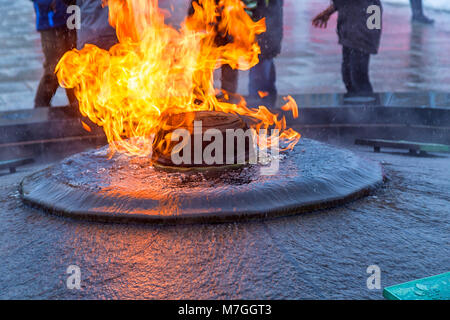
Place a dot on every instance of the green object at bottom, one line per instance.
(431, 288)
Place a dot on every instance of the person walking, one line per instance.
(56, 39)
(417, 12)
(358, 42)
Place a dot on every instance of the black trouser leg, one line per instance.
(262, 87)
(55, 42)
(416, 7)
(417, 12)
(45, 91)
(229, 79)
(355, 71)
(360, 72)
(346, 69)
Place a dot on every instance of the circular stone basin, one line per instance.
(88, 185)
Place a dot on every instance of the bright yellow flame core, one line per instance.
(155, 71)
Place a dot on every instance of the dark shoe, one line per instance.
(360, 97)
(422, 19)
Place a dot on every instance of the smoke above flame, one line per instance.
(156, 71)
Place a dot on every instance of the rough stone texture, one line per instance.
(403, 228)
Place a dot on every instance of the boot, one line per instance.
(417, 13)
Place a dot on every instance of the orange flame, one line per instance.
(85, 126)
(290, 105)
(156, 71)
(263, 94)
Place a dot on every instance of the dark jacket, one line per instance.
(50, 14)
(352, 25)
(270, 41)
(95, 27)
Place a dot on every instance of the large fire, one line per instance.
(156, 71)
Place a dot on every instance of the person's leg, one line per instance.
(346, 69)
(271, 85)
(262, 79)
(417, 12)
(49, 83)
(229, 79)
(254, 81)
(69, 42)
(360, 72)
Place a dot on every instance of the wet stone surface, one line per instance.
(403, 228)
(313, 174)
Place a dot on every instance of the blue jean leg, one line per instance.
(262, 77)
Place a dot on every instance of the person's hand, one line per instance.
(321, 20)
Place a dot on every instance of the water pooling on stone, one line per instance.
(89, 185)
